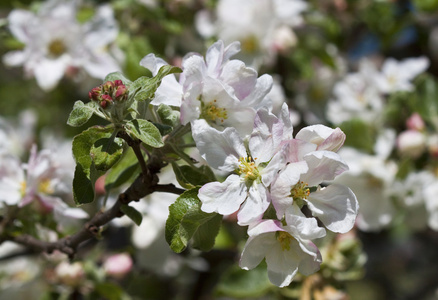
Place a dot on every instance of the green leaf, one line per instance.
(125, 170)
(132, 213)
(189, 177)
(145, 131)
(80, 114)
(83, 184)
(359, 135)
(164, 129)
(167, 115)
(187, 221)
(106, 152)
(86, 173)
(238, 283)
(109, 290)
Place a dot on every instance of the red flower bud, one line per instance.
(121, 93)
(118, 82)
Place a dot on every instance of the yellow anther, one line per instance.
(212, 113)
(284, 238)
(45, 187)
(300, 191)
(248, 167)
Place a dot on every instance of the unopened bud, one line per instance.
(415, 122)
(121, 92)
(118, 265)
(70, 274)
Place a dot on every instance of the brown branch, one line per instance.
(141, 187)
(168, 188)
(135, 145)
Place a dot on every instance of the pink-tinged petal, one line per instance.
(301, 227)
(241, 78)
(193, 70)
(267, 135)
(22, 23)
(265, 226)
(325, 137)
(231, 50)
(285, 119)
(254, 207)
(223, 197)
(336, 206)
(323, 166)
(214, 58)
(295, 150)
(259, 93)
(190, 105)
(221, 150)
(241, 118)
(255, 249)
(281, 187)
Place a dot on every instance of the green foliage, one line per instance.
(186, 221)
(359, 135)
(125, 170)
(87, 154)
(145, 131)
(81, 113)
(167, 115)
(132, 213)
(240, 283)
(189, 177)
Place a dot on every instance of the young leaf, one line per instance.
(86, 173)
(126, 169)
(132, 213)
(80, 114)
(189, 177)
(145, 131)
(167, 115)
(187, 221)
(106, 152)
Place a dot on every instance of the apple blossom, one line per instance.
(55, 42)
(287, 248)
(298, 184)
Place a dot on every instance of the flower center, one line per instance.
(284, 238)
(45, 187)
(250, 44)
(57, 48)
(213, 113)
(299, 192)
(248, 168)
(23, 188)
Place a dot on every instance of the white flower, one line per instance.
(371, 178)
(246, 189)
(298, 184)
(263, 27)
(170, 91)
(39, 180)
(287, 248)
(411, 143)
(55, 42)
(356, 96)
(397, 75)
(224, 92)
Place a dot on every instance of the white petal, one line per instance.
(281, 187)
(323, 165)
(49, 72)
(255, 250)
(223, 197)
(14, 58)
(283, 264)
(221, 150)
(336, 206)
(300, 226)
(325, 137)
(255, 205)
(241, 78)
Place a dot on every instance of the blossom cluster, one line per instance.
(235, 131)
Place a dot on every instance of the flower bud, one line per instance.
(118, 265)
(121, 93)
(411, 143)
(108, 87)
(415, 122)
(70, 274)
(106, 100)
